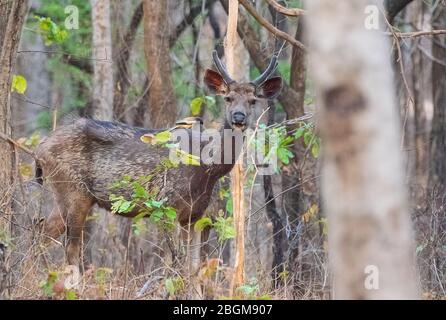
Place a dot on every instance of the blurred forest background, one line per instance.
(141, 62)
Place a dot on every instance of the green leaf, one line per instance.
(163, 136)
(287, 141)
(171, 213)
(210, 101)
(19, 84)
(195, 105)
(299, 132)
(308, 136)
(174, 285)
(172, 145)
(139, 191)
(157, 215)
(315, 150)
(187, 158)
(50, 31)
(33, 141)
(116, 202)
(284, 155)
(324, 223)
(224, 228)
(156, 204)
(201, 224)
(70, 295)
(229, 205)
(126, 206)
(170, 286)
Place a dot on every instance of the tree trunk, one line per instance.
(161, 110)
(12, 17)
(293, 200)
(102, 60)
(437, 172)
(95, 237)
(122, 83)
(415, 15)
(370, 236)
(237, 175)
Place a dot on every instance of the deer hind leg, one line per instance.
(78, 209)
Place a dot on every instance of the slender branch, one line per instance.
(16, 144)
(417, 33)
(292, 12)
(278, 33)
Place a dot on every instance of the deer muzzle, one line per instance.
(239, 120)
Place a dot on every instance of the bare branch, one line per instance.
(417, 33)
(292, 12)
(279, 33)
(16, 144)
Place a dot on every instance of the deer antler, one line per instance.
(221, 68)
(269, 70)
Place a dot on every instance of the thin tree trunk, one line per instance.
(162, 109)
(437, 174)
(102, 63)
(102, 109)
(364, 196)
(293, 201)
(12, 17)
(122, 83)
(418, 61)
(237, 180)
(279, 237)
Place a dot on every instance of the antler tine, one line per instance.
(269, 70)
(221, 68)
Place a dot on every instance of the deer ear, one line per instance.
(215, 82)
(270, 88)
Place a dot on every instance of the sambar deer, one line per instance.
(80, 161)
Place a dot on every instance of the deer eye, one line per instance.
(252, 102)
(228, 99)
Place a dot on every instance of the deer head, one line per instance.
(240, 98)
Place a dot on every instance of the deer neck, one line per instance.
(228, 150)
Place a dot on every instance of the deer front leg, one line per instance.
(54, 225)
(77, 214)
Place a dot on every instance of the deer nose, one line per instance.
(238, 118)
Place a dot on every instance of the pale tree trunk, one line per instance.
(96, 237)
(233, 64)
(161, 110)
(370, 238)
(12, 17)
(102, 63)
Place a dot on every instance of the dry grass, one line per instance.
(31, 265)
